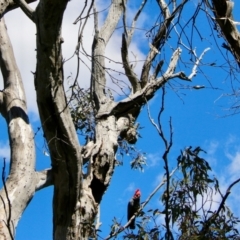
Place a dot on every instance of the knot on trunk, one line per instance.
(131, 135)
(90, 149)
(127, 129)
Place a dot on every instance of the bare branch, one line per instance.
(174, 4)
(128, 69)
(95, 18)
(139, 98)
(142, 206)
(152, 120)
(130, 32)
(168, 145)
(126, 40)
(80, 36)
(9, 5)
(221, 206)
(44, 179)
(226, 196)
(157, 188)
(101, 38)
(158, 40)
(83, 9)
(26, 8)
(194, 70)
(125, 18)
(173, 63)
(10, 72)
(164, 7)
(111, 21)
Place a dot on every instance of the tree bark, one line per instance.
(222, 10)
(56, 120)
(9, 5)
(20, 185)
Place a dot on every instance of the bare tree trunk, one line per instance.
(56, 120)
(21, 183)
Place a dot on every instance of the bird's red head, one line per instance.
(137, 194)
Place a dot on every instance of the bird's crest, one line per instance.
(137, 194)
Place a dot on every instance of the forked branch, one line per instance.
(9, 5)
(137, 99)
(100, 42)
(221, 206)
(129, 32)
(25, 8)
(159, 39)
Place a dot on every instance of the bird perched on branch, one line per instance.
(133, 206)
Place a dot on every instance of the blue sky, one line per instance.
(198, 118)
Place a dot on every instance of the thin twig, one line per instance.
(168, 145)
(132, 29)
(194, 70)
(142, 206)
(225, 197)
(221, 206)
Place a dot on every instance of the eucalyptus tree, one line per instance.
(78, 193)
